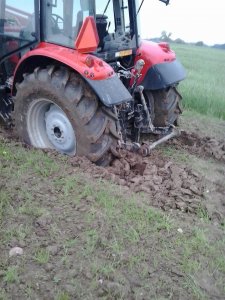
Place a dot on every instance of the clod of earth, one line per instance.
(165, 184)
(204, 147)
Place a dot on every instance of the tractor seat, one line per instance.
(101, 24)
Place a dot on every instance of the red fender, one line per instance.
(89, 66)
(98, 74)
(153, 53)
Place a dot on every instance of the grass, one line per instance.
(19, 232)
(117, 234)
(203, 90)
(203, 214)
(205, 125)
(179, 155)
(41, 256)
(11, 275)
(63, 296)
(191, 284)
(4, 202)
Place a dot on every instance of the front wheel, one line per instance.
(56, 109)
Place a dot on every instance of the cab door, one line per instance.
(17, 25)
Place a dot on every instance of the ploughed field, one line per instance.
(143, 228)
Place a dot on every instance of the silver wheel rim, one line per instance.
(49, 127)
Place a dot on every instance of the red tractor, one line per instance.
(76, 77)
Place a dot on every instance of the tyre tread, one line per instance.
(96, 122)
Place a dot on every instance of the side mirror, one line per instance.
(165, 1)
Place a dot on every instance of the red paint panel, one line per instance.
(98, 70)
(153, 53)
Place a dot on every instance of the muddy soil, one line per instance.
(77, 251)
(205, 147)
(165, 184)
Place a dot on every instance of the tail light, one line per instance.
(89, 61)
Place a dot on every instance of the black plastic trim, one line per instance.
(163, 75)
(110, 91)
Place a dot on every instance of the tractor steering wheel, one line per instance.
(57, 23)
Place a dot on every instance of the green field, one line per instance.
(88, 233)
(204, 89)
(85, 238)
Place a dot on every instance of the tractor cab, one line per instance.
(117, 28)
(59, 22)
(115, 22)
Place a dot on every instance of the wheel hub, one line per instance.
(49, 127)
(59, 130)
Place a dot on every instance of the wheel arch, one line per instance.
(104, 85)
(29, 64)
(162, 69)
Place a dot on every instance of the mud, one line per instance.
(164, 184)
(205, 147)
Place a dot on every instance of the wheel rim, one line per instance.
(49, 127)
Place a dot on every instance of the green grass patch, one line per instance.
(11, 275)
(4, 202)
(19, 232)
(41, 256)
(63, 296)
(203, 90)
(191, 284)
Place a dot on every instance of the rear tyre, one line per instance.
(56, 109)
(166, 105)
